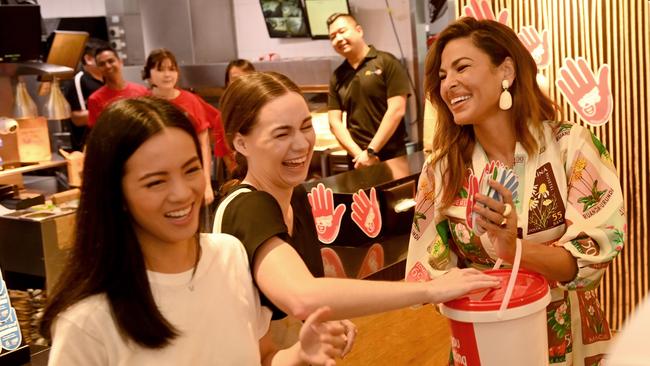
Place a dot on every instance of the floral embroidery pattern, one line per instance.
(424, 204)
(594, 324)
(559, 329)
(439, 249)
(563, 129)
(586, 245)
(587, 191)
(602, 150)
(545, 208)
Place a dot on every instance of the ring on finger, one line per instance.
(507, 210)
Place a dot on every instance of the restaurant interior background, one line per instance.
(612, 32)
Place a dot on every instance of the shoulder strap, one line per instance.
(77, 86)
(221, 209)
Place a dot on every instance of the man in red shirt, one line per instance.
(115, 87)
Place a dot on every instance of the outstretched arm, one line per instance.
(284, 278)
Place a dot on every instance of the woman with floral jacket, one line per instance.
(569, 212)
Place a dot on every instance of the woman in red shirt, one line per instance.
(161, 71)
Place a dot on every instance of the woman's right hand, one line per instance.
(458, 282)
(322, 341)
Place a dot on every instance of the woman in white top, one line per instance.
(142, 286)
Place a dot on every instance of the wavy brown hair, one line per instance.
(240, 109)
(453, 144)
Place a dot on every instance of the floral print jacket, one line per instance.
(569, 196)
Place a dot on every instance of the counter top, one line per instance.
(30, 167)
(389, 171)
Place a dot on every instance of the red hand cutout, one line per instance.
(326, 218)
(590, 98)
(482, 10)
(365, 212)
(373, 262)
(332, 265)
(537, 45)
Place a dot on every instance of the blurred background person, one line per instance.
(371, 87)
(238, 68)
(161, 72)
(78, 90)
(115, 86)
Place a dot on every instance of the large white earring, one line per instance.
(505, 100)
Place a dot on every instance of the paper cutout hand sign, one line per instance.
(326, 218)
(365, 212)
(418, 274)
(373, 262)
(472, 189)
(10, 336)
(588, 94)
(5, 307)
(482, 10)
(536, 44)
(332, 265)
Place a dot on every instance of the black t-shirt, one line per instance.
(363, 93)
(254, 217)
(88, 86)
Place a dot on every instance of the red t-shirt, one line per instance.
(104, 96)
(204, 116)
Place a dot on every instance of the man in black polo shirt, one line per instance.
(371, 86)
(78, 90)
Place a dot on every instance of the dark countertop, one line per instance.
(390, 171)
(355, 255)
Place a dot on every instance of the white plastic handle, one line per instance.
(511, 281)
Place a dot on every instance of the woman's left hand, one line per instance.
(499, 219)
(321, 341)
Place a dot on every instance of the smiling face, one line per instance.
(346, 36)
(109, 65)
(470, 85)
(163, 187)
(280, 145)
(164, 75)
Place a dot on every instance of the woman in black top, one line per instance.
(269, 126)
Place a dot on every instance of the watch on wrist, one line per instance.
(371, 151)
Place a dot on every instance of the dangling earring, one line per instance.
(505, 100)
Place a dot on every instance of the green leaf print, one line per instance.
(443, 230)
(619, 237)
(577, 245)
(602, 150)
(463, 193)
(416, 218)
(591, 200)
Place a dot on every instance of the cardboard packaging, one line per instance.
(30, 143)
(36, 243)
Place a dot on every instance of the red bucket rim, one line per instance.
(535, 289)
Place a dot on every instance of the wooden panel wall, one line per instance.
(616, 32)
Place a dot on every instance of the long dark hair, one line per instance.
(241, 105)
(106, 256)
(453, 144)
(239, 63)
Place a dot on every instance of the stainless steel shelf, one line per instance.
(33, 68)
